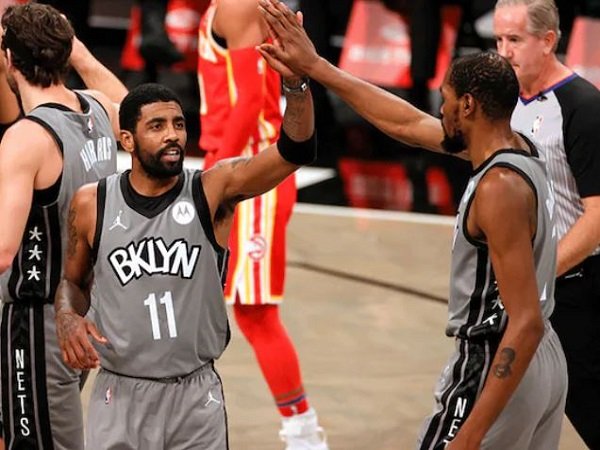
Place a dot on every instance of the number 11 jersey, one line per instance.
(157, 293)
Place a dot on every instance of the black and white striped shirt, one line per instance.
(564, 122)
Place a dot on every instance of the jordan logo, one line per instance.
(211, 399)
(117, 222)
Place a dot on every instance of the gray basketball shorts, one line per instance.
(136, 413)
(41, 404)
(532, 418)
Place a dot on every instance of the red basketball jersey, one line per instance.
(218, 90)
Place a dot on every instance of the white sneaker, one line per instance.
(302, 432)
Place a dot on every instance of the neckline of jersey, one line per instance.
(543, 92)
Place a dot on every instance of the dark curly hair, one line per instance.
(143, 94)
(40, 40)
(490, 79)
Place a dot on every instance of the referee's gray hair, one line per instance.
(542, 16)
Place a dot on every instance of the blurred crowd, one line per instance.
(160, 44)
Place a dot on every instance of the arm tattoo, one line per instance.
(504, 368)
(239, 161)
(72, 232)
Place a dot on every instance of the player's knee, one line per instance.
(255, 321)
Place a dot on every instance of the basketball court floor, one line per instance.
(366, 307)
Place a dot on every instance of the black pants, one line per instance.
(576, 320)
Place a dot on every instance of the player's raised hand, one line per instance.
(291, 45)
(76, 348)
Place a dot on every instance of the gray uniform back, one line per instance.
(157, 293)
(475, 308)
(89, 153)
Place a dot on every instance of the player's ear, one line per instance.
(468, 104)
(127, 141)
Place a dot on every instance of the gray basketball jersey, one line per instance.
(475, 308)
(157, 294)
(89, 151)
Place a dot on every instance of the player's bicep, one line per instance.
(505, 208)
(18, 170)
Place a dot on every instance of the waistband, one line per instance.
(165, 380)
(578, 271)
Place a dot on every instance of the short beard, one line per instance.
(454, 144)
(155, 168)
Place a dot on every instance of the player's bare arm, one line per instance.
(392, 115)
(24, 166)
(72, 299)
(504, 214)
(101, 82)
(582, 238)
(234, 180)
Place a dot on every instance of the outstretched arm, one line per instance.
(392, 115)
(504, 214)
(72, 299)
(234, 180)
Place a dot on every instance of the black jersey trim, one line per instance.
(503, 151)
(204, 211)
(52, 218)
(476, 298)
(83, 102)
(149, 207)
(100, 208)
(518, 171)
(88, 98)
(50, 130)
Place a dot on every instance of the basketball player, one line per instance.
(153, 241)
(64, 141)
(240, 116)
(505, 386)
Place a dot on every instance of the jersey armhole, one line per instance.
(529, 182)
(203, 210)
(100, 206)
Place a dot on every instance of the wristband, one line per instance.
(298, 153)
(302, 87)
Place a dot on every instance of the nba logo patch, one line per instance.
(108, 396)
(537, 124)
(90, 125)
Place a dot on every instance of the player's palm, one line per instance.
(291, 45)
